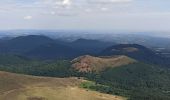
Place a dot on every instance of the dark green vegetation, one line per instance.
(137, 52)
(143, 80)
(42, 47)
(96, 87)
(136, 81)
(17, 64)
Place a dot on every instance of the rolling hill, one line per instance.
(137, 52)
(134, 79)
(39, 47)
(23, 87)
(129, 70)
(43, 47)
(23, 44)
(116, 75)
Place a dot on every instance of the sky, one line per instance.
(112, 15)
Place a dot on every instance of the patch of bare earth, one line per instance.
(96, 64)
(36, 98)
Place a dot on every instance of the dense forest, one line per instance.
(137, 81)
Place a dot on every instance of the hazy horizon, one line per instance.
(101, 15)
(84, 49)
(82, 33)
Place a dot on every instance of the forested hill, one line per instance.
(137, 52)
(134, 80)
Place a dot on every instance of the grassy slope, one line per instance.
(138, 81)
(23, 87)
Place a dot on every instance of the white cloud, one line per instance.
(120, 1)
(104, 9)
(102, 2)
(53, 12)
(66, 2)
(88, 10)
(28, 17)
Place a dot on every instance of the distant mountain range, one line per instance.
(43, 47)
(38, 46)
(130, 70)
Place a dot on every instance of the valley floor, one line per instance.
(23, 87)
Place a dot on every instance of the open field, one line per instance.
(23, 87)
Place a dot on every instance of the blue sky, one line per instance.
(125, 15)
